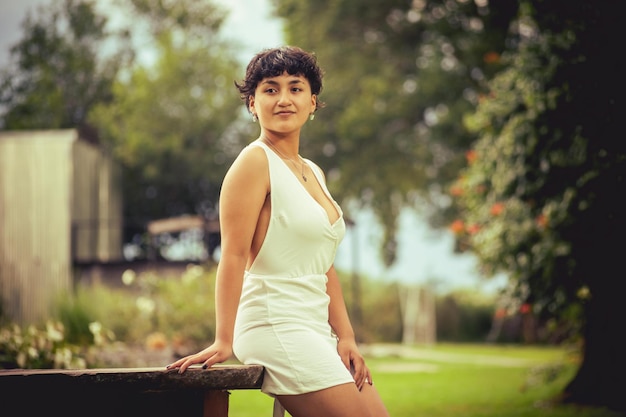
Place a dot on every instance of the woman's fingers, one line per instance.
(190, 361)
(368, 378)
(360, 370)
(362, 374)
(201, 357)
(176, 364)
(187, 362)
(353, 360)
(212, 360)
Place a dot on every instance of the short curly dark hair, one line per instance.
(273, 62)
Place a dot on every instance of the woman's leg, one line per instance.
(340, 401)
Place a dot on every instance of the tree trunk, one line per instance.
(601, 378)
(418, 315)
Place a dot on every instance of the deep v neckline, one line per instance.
(327, 195)
(324, 191)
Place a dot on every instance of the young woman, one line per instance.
(278, 299)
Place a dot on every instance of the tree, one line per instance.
(168, 125)
(541, 197)
(59, 71)
(400, 76)
(173, 123)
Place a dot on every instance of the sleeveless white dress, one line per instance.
(282, 320)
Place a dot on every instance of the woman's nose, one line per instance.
(283, 98)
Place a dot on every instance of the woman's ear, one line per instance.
(251, 104)
(313, 102)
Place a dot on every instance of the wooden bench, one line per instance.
(121, 392)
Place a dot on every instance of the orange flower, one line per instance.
(456, 190)
(491, 57)
(473, 229)
(500, 313)
(524, 308)
(541, 220)
(471, 156)
(457, 227)
(496, 209)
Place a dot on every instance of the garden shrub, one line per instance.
(34, 347)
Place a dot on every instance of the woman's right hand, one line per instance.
(216, 353)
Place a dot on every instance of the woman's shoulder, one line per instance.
(254, 151)
(250, 158)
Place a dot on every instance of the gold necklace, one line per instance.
(271, 145)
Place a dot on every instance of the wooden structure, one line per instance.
(59, 204)
(176, 224)
(210, 228)
(123, 392)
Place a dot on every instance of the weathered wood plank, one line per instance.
(218, 377)
(124, 392)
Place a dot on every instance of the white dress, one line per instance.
(282, 320)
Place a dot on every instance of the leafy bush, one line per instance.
(150, 309)
(176, 314)
(377, 318)
(464, 317)
(41, 348)
(461, 316)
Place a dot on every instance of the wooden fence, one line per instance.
(59, 202)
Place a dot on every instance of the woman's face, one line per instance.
(283, 103)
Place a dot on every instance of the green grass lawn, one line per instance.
(459, 381)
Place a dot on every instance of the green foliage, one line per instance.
(539, 198)
(197, 18)
(378, 326)
(532, 177)
(175, 115)
(376, 316)
(172, 117)
(173, 110)
(67, 340)
(33, 347)
(116, 309)
(399, 78)
(76, 314)
(181, 308)
(463, 317)
(59, 72)
(185, 310)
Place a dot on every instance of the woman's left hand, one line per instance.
(353, 360)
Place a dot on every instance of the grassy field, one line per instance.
(459, 381)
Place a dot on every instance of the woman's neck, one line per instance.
(286, 145)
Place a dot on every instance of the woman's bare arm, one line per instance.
(243, 194)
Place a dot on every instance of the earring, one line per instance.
(312, 116)
(254, 118)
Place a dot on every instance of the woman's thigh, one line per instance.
(340, 401)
